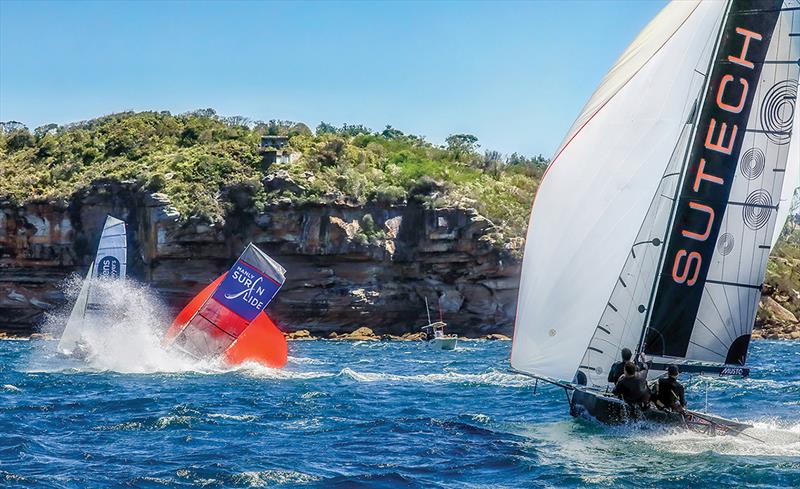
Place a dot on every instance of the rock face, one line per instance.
(347, 265)
(774, 320)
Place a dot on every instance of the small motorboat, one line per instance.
(434, 333)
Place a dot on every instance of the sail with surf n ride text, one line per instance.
(227, 318)
(110, 263)
(652, 226)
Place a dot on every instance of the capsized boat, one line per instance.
(653, 223)
(110, 263)
(434, 333)
(227, 320)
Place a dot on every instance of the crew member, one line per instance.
(632, 388)
(670, 393)
(618, 368)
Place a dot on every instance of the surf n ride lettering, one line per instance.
(252, 292)
(245, 290)
(710, 170)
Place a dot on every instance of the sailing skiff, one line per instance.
(110, 263)
(226, 320)
(653, 224)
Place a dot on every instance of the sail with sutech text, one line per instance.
(670, 181)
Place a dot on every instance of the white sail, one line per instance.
(791, 182)
(597, 191)
(72, 331)
(110, 263)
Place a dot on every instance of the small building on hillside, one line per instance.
(274, 150)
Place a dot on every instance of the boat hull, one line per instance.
(611, 410)
(444, 343)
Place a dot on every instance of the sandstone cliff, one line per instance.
(349, 266)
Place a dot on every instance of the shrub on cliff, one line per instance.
(194, 157)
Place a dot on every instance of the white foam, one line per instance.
(127, 337)
(766, 438)
(492, 377)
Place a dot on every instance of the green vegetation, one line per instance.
(196, 158)
(783, 269)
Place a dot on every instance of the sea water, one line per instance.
(368, 414)
(362, 414)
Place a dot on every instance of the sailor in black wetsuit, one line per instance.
(632, 388)
(670, 392)
(616, 370)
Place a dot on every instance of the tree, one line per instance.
(11, 126)
(44, 130)
(461, 144)
(325, 128)
(392, 133)
(492, 162)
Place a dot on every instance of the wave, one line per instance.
(492, 377)
(769, 437)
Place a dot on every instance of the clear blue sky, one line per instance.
(514, 74)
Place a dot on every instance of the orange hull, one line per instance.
(261, 341)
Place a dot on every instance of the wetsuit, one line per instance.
(670, 391)
(616, 371)
(633, 390)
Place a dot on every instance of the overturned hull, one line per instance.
(611, 410)
(226, 320)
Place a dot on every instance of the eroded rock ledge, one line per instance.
(348, 265)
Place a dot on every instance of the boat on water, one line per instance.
(226, 320)
(653, 223)
(90, 308)
(435, 335)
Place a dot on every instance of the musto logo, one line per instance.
(245, 291)
(108, 267)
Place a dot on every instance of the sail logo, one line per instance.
(246, 291)
(732, 371)
(720, 140)
(108, 267)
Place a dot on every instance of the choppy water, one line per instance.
(366, 415)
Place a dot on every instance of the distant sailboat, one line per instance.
(110, 263)
(653, 224)
(227, 319)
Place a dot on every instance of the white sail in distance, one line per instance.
(110, 263)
